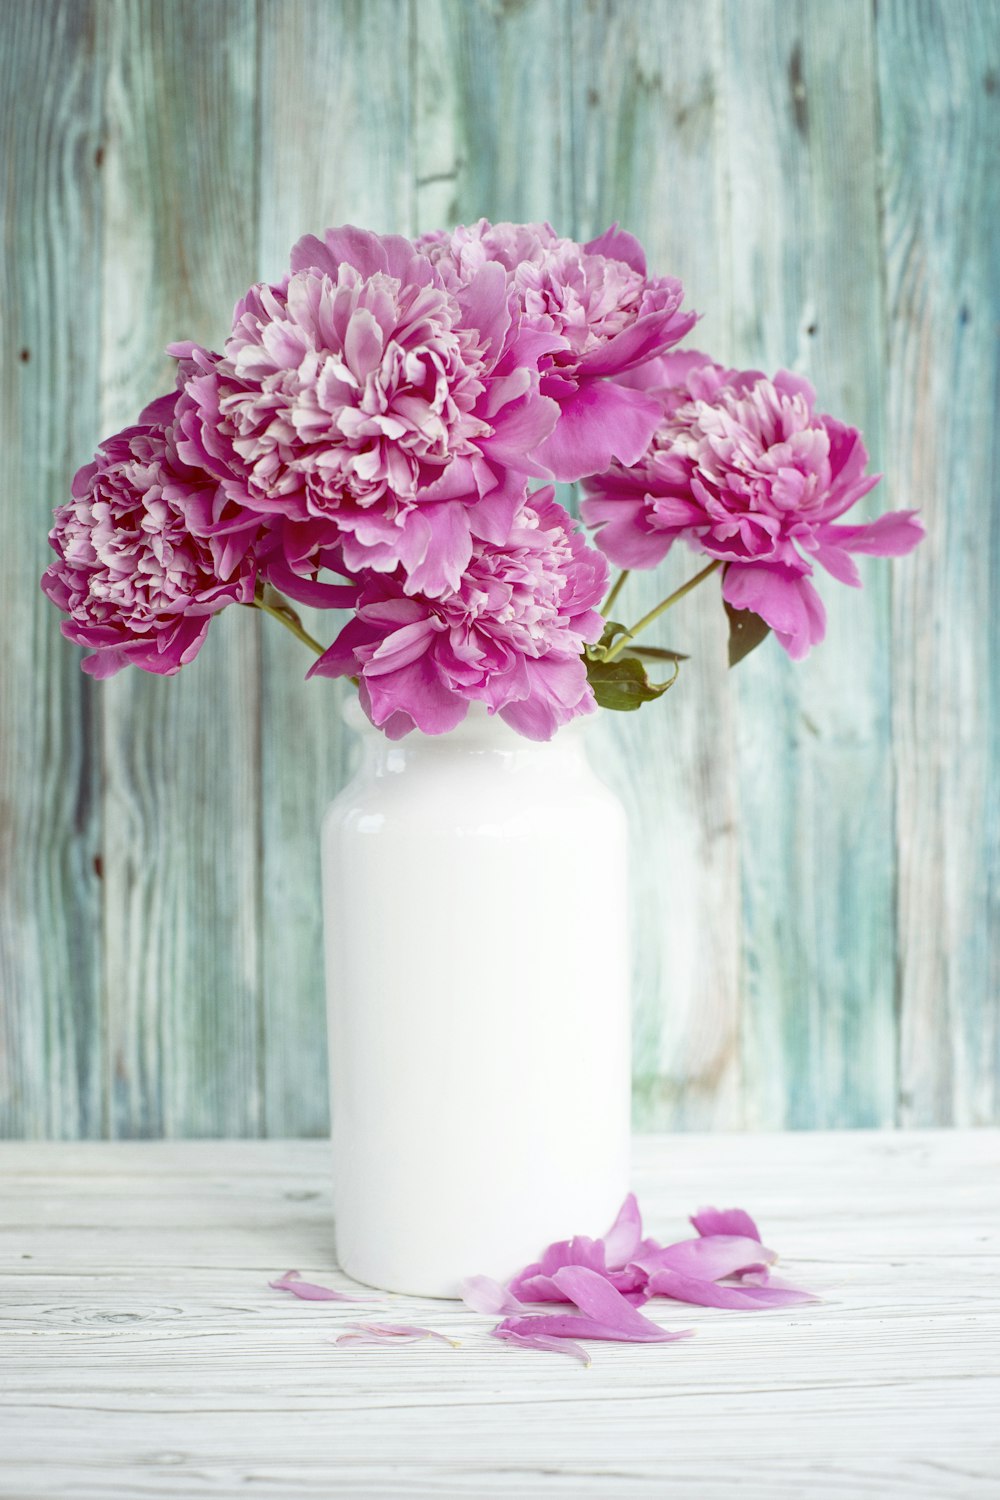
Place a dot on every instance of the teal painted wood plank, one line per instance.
(335, 128)
(50, 223)
(181, 812)
(158, 158)
(492, 122)
(939, 71)
(645, 102)
(816, 810)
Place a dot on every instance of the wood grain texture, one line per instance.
(816, 860)
(181, 789)
(816, 809)
(50, 810)
(940, 76)
(145, 1355)
(324, 69)
(644, 130)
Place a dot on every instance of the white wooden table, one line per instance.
(142, 1353)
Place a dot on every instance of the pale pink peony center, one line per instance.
(363, 385)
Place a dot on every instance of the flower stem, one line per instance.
(615, 591)
(285, 615)
(664, 604)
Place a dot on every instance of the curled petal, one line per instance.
(783, 597)
(728, 1221)
(309, 1291)
(542, 1341)
(484, 1295)
(622, 1240)
(392, 1333)
(708, 1258)
(606, 1313)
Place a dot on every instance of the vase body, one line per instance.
(477, 983)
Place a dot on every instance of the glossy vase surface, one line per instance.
(477, 984)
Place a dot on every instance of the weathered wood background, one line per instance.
(817, 848)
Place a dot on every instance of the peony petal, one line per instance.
(622, 1240)
(599, 422)
(618, 244)
(571, 1326)
(393, 1333)
(891, 535)
(728, 1221)
(309, 1291)
(484, 1295)
(784, 598)
(664, 1282)
(710, 1257)
(600, 1303)
(541, 1341)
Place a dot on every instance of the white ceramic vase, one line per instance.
(477, 983)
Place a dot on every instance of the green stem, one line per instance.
(286, 616)
(615, 591)
(654, 614)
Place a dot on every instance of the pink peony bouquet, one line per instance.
(379, 435)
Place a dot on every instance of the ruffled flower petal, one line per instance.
(744, 469)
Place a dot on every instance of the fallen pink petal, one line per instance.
(392, 1333)
(710, 1257)
(484, 1295)
(543, 1342)
(667, 1283)
(725, 1221)
(579, 1326)
(624, 1237)
(308, 1291)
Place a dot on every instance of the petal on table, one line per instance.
(725, 1221)
(667, 1283)
(309, 1292)
(541, 1341)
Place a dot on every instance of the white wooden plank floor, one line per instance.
(142, 1353)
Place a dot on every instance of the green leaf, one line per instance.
(656, 653)
(609, 635)
(622, 684)
(746, 630)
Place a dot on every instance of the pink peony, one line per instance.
(369, 405)
(510, 636)
(599, 314)
(147, 553)
(746, 470)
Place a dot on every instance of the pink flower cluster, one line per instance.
(371, 437)
(379, 415)
(745, 470)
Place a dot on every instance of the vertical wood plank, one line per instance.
(181, 767)
(644, 133)
(492, 124)
(51, 80)
(939, 71)
(335, 130)
(816, 790)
